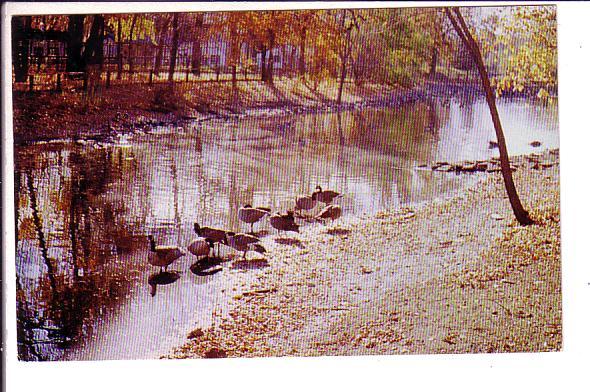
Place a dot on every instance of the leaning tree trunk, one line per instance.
(461, 28)
(174, 49)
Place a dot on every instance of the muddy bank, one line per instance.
(452, 276)
(128, 108)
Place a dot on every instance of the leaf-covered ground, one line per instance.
(72, 114)
(453, 276)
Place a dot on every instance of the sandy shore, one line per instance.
(452, 276)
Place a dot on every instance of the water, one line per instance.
(84, 210)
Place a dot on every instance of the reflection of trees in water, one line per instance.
(74, 233)
(342, 156)
(39, 231)
(25, 325)
(466, 101)
(406, 134)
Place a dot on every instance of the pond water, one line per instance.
(84, 210)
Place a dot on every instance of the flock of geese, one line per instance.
(208, 237)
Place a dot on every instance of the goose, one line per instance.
(201, 247)
(332, 211)
(305, 202)
(243, 243)
(163, 256)
(215, 235)
(324, 196)
(284, 222)
(251, 215)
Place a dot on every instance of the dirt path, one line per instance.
(457, 275)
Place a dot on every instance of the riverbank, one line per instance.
(452, 276)
(123, 108)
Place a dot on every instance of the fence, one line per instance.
(136, 63)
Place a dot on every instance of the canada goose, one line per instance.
(284, 222)
(163, 256)
(251, 215)
(244, 243)
(201, 247)
(215, 235)
(324, 196)
(332, 212)
(304, 202)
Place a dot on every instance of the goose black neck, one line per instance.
(152, 243)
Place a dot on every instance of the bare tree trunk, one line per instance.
(302, 38)
(160, 48)
(130, 51)
(271, 45)
(234, 52)
(174, 49)
(342, 77)
(75, 62)
(344, 55)
(433, 61)
(197, 50)
(119, 50)
(263, 76)
(94, 55)
(20, 47)
(462, 30)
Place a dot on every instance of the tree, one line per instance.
(93, 50)
(75, 61)
(299, 24)
(466, 37)
(131, 43)
(197, 37)
(162, 23)
(526, 40)
(119, 49)
(265, 30)
(345, 22)
(20, 47)
(174, 49)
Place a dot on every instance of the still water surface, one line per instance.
(84, 210)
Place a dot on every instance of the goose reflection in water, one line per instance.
(207, 266)
(161, 278)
